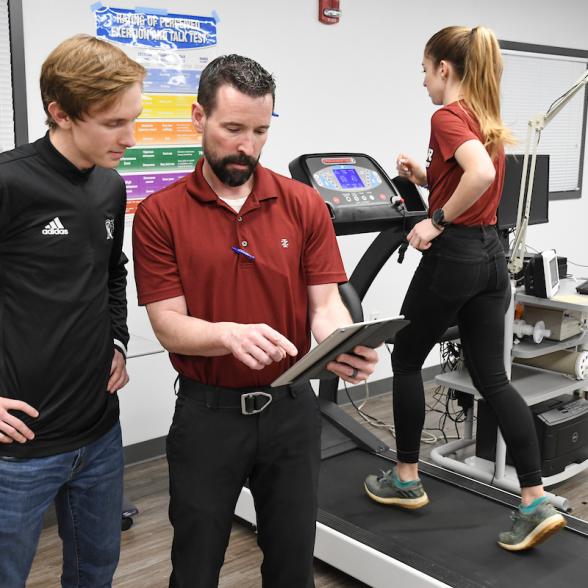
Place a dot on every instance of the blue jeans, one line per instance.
(86, 485)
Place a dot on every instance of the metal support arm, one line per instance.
(536, 126)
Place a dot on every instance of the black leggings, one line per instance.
(461, 279)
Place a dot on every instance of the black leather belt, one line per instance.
(247, 400)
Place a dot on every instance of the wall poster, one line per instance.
(174, 49)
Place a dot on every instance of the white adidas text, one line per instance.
(55, 227)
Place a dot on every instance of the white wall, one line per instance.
(355, 86)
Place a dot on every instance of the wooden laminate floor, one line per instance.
(145, 547)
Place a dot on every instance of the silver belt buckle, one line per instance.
(244, 398)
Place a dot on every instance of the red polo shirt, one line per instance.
(182, 239)
(451, 126)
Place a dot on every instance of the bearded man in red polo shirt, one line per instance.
(236, 266)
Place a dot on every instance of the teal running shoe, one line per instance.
(530, 529)
(388, 489)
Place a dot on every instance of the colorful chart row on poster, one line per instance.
(166, 133)
(173, 80)
(141, 185)
(167, 106)
(160, 158)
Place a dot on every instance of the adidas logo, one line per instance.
(55, 228)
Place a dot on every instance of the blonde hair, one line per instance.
(475, 55)
(84, 72)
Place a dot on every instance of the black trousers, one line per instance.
(462, 279)
(212, 451)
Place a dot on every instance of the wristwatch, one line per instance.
(438, 219)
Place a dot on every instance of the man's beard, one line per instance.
(230, 177)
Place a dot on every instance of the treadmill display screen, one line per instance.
(348, 178)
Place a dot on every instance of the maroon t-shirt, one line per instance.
(451, 126)
(182, 239)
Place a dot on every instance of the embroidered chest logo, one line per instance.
(109, 224)
(55, 227)
(284, 243)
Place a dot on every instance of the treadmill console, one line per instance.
(357, 191)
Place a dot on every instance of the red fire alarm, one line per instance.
(329, 12)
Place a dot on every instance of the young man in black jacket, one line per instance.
(63, 332)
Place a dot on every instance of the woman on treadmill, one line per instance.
(462, 277)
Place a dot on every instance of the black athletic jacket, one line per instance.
(62, 295)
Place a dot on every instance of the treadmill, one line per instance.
(450, 542)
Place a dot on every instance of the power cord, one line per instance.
(534, 250)
(369, 419)
(398, 203)
(445, 399)
(451, 358)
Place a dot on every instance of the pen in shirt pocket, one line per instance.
(240, 251)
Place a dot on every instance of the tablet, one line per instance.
(342, 340)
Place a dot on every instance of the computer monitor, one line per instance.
(509, 203)
(542, 275)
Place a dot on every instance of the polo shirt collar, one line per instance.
(60, 163)
(263, 186)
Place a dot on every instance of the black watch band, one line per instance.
(438, 218)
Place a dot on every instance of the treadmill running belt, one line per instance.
(453, 539)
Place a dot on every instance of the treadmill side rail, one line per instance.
(359, 434)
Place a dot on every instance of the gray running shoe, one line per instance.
(385, 490)
(531, 529)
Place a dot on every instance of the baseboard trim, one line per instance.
(144, 450)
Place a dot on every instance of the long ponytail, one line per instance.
(475, 55)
